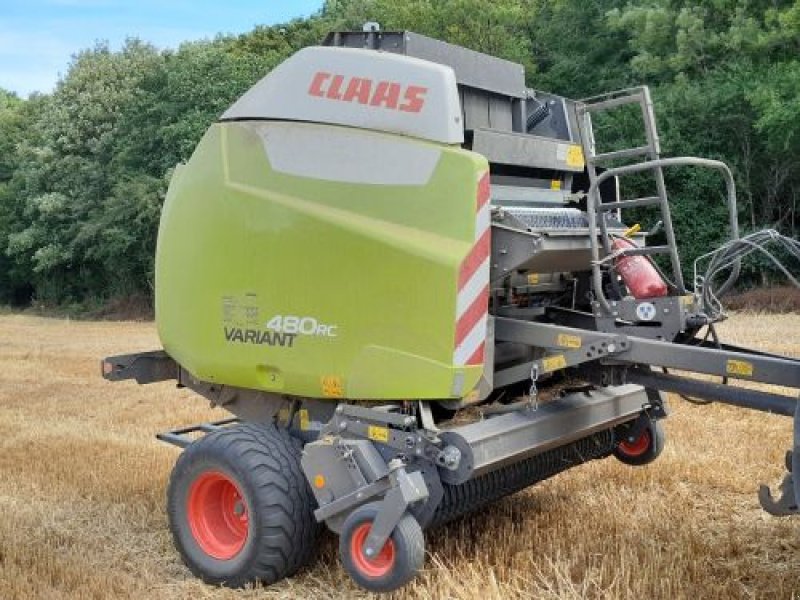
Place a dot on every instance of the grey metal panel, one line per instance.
(493, 443)
(500, 116)
(475, 106)
(514, 249)
(511, 148)
(472, 68)
(514, 195)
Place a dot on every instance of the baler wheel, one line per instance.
(645, 449)
(395, 564)
(239, 507)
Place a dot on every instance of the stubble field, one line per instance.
(82, 483)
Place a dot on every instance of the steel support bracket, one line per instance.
(397, 431)
(787, 503)
(406, 489)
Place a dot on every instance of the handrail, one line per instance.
(683, 161)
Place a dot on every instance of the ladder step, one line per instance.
(626, 153)
(634, 203)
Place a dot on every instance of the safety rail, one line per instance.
(593, 206)
(651, 150)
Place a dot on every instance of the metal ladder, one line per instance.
(651, 152)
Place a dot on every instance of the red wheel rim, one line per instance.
(637, 447)
(217, 515)
(377, 566)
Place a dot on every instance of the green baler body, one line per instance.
(310, 286)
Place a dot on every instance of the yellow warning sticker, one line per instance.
(575, 156)
(302, 416)
(533, 278)
(568, 341)
(378, 434)
(687, 300)
(555, 184)
(554, 363)
(332, 386)
(739, 367)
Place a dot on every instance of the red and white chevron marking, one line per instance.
(472, 305)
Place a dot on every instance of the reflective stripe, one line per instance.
(476, 284)
(472, 303)
(476, 310)
(484, 219)
(472, 342)
(475, 258)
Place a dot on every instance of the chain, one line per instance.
(533, 392)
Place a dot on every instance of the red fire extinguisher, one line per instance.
(638, 273)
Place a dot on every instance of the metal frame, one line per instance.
(652, 152)
(621, 349)
(594, 207)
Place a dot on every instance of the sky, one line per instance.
(38, 37)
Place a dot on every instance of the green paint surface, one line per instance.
(372, 269)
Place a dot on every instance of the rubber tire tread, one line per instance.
(409, 544)
(658, 439)
(265, 461)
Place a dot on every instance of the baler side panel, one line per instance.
(326, 273)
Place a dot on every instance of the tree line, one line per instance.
(84, 169)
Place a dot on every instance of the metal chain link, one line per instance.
(533, 392)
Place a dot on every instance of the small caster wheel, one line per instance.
(643, 450)
(395, 564)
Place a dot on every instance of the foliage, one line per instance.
(84, 170)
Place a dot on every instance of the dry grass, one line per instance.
(82, 495)
(776, 300)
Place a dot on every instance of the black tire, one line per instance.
(645, 449)
(239, 507)
(389, 570)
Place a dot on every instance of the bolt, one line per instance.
(612, 348)
(369, 551)
(410, 441)
(343, 425)
(409, 421)
(340, 409)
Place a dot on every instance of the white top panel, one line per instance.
(346, 155)
(360, 88)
